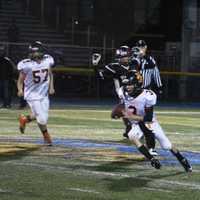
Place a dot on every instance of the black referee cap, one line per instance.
(141, 43)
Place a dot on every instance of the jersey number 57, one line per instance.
(40, 75)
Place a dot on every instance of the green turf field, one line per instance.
(85, 165)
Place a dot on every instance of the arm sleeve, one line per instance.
(156, 73)
(50, 60)
(150, 102)
(156, 77)
(151, 98)
(121, 93)
(117, 84)
(20, 66)
(108, 71)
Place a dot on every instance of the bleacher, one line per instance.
(30, 27)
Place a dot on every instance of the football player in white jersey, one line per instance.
(36, 76)
(118, 71)
(139, 105)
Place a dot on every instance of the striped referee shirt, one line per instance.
(150, 72)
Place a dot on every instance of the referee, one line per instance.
(149, 69)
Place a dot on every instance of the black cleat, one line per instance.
(155, 163)
(186, 165)
(125, 134)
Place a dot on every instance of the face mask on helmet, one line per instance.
(35, 52)
(133, 85)
(136, 52)
(122, 54)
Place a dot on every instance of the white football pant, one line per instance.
(40, 109)
(137, 133)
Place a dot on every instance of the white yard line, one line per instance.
(10, 191)
(3, 191)
(157, 189)
(188, 185)
(162, 181)
(84, 190)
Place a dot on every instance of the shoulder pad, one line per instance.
(26, 60)
(113, 64)
(47, 56)
(151, 98)
(23, 63)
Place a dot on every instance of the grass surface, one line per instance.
(32, 171)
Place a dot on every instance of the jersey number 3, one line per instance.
(40, 75)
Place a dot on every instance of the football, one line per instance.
(117, 111)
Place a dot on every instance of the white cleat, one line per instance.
(153, 152)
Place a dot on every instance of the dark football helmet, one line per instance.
(122, 55)
(134, 80)
(122, 51)
(36, 51)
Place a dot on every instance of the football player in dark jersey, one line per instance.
(119, 69)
